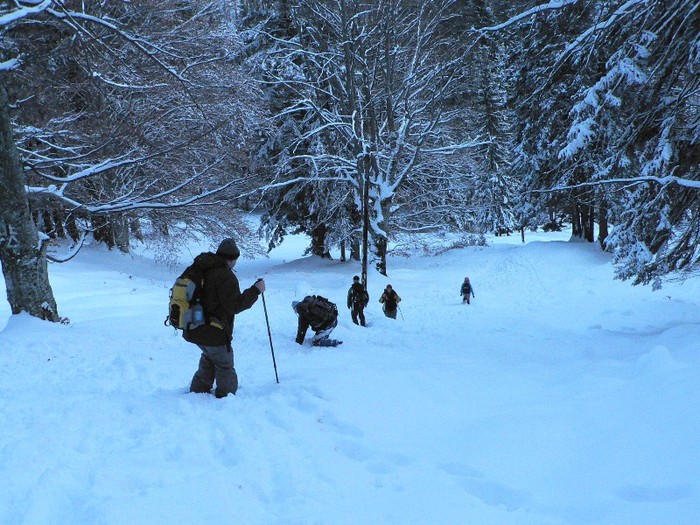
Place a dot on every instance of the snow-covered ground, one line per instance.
(560, 396)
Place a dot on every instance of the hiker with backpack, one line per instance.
(466, 291)
(221, 300)
(357, 300)
(321, 315)
(390, 299)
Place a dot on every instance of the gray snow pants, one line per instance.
(215, 363)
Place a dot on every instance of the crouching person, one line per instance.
(321, 315)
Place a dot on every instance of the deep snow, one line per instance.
(560, 396)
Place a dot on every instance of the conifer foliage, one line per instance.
(609, 117)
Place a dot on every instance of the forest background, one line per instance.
(357, 123)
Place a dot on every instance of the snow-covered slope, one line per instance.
(560, 396)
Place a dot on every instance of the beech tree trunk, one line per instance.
(381, 242)
(22, 251)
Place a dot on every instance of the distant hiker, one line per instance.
(390, 299)
(357, 300)
(321, 315)
(466, 291)
(222, 300)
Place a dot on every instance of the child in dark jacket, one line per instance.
(466, 291)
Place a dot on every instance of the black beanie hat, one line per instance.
(228, 249)
(356, 278)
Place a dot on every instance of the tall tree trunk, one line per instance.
(318, 242)
(22, 252)
(365, 220)
(588, 222)
(135, 229)
(380, 249)
(355, 248)
(576, 225)
(602, 223)
(122, 237)
(381, 241)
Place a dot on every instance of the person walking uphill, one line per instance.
(466, 291)
(390, 299)
(222, 299)
(357, 300)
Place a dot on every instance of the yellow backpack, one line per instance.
(185, 311)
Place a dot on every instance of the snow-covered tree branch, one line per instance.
(120, 115)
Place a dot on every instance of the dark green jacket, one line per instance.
(222, 300)
(357, 296)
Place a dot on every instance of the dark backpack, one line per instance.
(359, 296)
(390, 302)
(185, 311)
(319, 310)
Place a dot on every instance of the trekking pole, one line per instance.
(397, 306)
(269, 334)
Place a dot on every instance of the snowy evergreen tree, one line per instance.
(610, 118)
(495, 187)
(640, 121)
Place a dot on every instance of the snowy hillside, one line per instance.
(559, 396)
